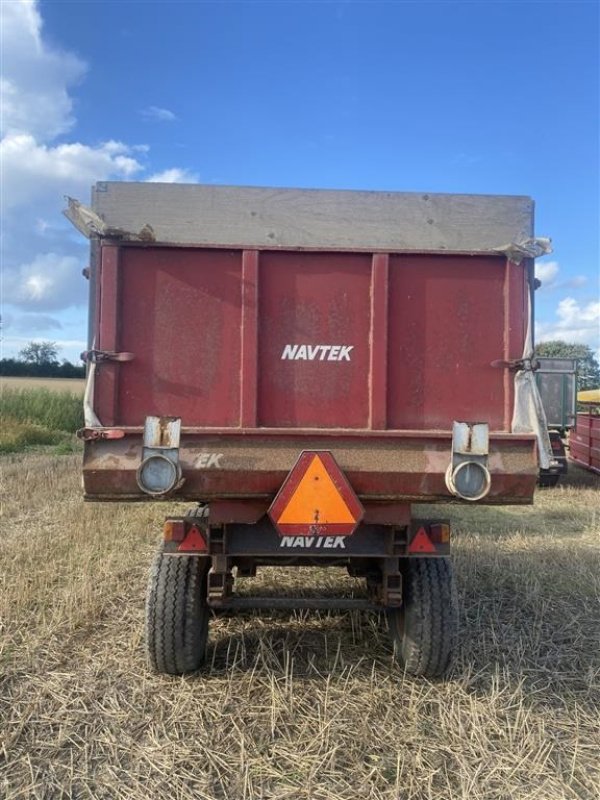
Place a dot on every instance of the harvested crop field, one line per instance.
(305, 705)
(72, 385)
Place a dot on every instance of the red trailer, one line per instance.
(304, 366)
(584, 439)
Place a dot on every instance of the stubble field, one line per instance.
(305, 705)
(71, 385)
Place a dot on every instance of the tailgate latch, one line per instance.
(528, 364)
(98, 356)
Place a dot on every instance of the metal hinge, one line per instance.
(89, 434)
(529, 364)
(98, 356)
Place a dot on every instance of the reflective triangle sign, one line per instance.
(194, 542)
(316, 499)
(421, 543)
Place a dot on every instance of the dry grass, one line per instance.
(294, 706)
(71, 385)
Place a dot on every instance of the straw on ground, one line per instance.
(305, 705)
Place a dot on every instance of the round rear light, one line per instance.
(470, 480)
(158, 475)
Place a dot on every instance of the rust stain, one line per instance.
(163, 424)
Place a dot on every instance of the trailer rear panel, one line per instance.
(369, 334)
(303, 366)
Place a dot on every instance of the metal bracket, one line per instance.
(468, 476)
(529, 364)
(390, 589)
(89, 434)
(159, 473)
(98, 356)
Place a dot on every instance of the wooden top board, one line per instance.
(196, 214)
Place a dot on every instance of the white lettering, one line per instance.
(289, 351)
(314, 542)
(314, 352)
(207, 460)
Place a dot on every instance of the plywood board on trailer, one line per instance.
(314, 218)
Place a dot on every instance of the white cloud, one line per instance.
(41, 255)
(49, 281)
(575, 283)
(159, 114)
(174, 175)
(35, 77)
(34, 172)
(28, 323)
(575, 323)
(546, 272)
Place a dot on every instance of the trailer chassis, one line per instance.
(406, 569)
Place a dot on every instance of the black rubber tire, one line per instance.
(424, 628)
(176, 613)
(548, 481)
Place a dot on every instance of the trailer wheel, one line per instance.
(424, 628)
(176, 613)
(548, 480)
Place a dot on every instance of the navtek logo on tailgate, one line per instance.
(317, 352)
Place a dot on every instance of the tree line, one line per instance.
(40, 360)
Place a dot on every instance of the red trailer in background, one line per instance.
(305, 366)
(584, 439)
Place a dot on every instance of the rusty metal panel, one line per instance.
(393, 467)
(265, 353)
(295, 340)
(314, 340)
(584, 441)
(449, 320)
(179, 313)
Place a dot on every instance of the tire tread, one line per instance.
(176, 614)
(424, 629)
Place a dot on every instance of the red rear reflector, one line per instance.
(421, 543)
(194, 542)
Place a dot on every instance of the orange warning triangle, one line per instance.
(421, 543)
(316, 499)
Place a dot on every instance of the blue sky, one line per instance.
(478, 97)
